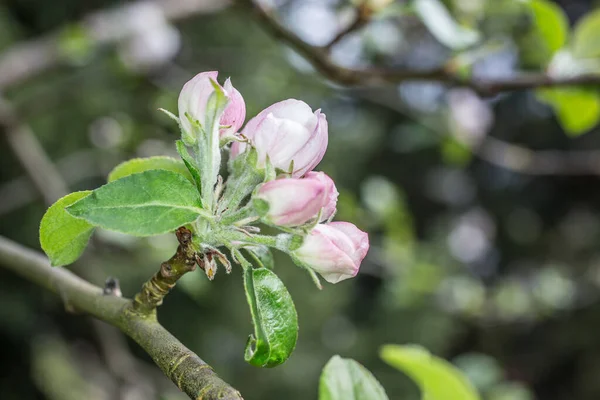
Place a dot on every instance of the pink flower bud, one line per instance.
(194, 98)
(334, 250)
(330, 201)
(296, 201)
(235, 112)
(287, 131)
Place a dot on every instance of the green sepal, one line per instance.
(244, 161)
(190, 164)
(137, 165)
(260, 206)
(191, 138)
(274, 318)
(170, 115)
(295, 242)
(62, 236)
(244, 176)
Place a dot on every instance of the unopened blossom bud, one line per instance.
(287, 132)
(193, 100)
(331, 197)
(334, 250)
(235, 112)
(296, 201)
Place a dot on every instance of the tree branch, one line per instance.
(322, 62)
(190, 373)
(28, 59)
(360, 19)
(24, 144)
(154, 290)
(507, 155)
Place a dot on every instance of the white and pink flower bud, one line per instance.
(331, 196)
(193, 100)
(287, 132)
(296, 201)
(334, 250)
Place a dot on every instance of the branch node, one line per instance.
(112, 287)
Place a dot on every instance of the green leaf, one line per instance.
(62, 236)
(189, 163)
(552, 24)
(442, 25)
(137, 165)
(586, 36)
(274, 317)
(149, 203)
(577, 109)
(345, 379)
(436, 377)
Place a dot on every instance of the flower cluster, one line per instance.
(272, 161)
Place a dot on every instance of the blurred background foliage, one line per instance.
(483, 218)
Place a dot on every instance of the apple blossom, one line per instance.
(296, 201)
(334, 250)
(287, 132)
(193, 100)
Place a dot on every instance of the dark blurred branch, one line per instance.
(501, 153)
(28, 59)
(73, 168)
(190, 373)
(538, 162)
(320, 59)
(33, 158)
(360, 19)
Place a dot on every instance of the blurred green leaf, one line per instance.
(62, 236)
(481, 369)
(75, 45)
(137, 165)
(510, 391)
(442, 25)
(551, 23)
(577, 109)
(455, 152)
(9, 29)
(56, 372)
(436, 377)
(346, 379)
(274, 318)
(586, 36)
(145, 204)
(512, 300)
